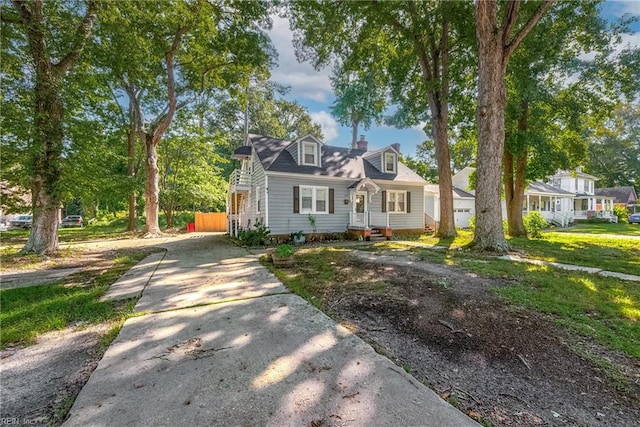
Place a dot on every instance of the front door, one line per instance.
(360, 209)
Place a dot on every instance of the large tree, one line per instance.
(499, 32)
(360, 100)
(408, 47)
(165, 55)
(54, 35)
(545, 115)
(614, 149)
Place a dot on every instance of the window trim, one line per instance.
(316, 155)
(395, 162)
(314, 197)
(395, 202)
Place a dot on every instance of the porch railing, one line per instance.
(368, 219)
(379, 219)
(240, 179)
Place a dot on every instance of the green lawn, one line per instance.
(590, 250)
(622, 229)
(27, 312)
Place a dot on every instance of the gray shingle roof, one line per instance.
(622, 194)
(339, 162)
(541, 187)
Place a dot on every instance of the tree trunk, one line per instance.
(514, 185)
(152, 189)
(447, 227)
(131, 172)
(354, 134)
(488, 233)
(45, 181)
(514, 180)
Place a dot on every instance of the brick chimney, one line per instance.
(396, 146)
(362, 144)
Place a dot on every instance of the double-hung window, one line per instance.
(390, 162)
(397, 201)
(309, 154)
(314, 200)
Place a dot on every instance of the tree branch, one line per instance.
(82, 35)
(163, 122)
(509, 20)
(22, 9)
(526, 29)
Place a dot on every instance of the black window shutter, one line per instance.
(408, 202)
(331, 203)
(384, 201)
(296, 199)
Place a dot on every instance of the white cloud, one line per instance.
(420, 128)
(327, 123)
(304, 80)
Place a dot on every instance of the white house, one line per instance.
(307, 185)
(585, 201)
(567, 195)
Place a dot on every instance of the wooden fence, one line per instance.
(211, 221)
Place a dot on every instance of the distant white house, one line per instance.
(463, 200)
(566, 196)
(586, 204)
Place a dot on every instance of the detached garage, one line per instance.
(463, 206)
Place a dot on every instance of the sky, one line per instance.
(312, 88)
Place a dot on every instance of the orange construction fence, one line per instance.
(216, 221)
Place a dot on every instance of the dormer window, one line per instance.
(390, 162)
(310, 155)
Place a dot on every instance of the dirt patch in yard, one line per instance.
(501, 364)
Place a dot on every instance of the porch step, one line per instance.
(376, 237)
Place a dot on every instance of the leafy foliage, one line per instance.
(622, 213)
(255, 236)
(534, 223)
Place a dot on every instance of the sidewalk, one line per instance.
(220, 341)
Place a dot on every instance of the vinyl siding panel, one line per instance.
(399, 221)
(375, 160)
(282, 220)
(293, 150)
(257, 180)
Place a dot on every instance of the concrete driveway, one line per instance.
(220, 341)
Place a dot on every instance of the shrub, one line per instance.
(534, 222)
(622, 213)
(256, 236)
(283, 251)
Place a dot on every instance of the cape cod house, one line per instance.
(306, 185)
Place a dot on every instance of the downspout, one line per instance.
(266, 200)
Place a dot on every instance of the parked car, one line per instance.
(72, 221)
(634, 218)
(21, 221)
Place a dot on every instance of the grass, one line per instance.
(607, 253)
(112, 226)
(323, 270)
(623, 229)
(28, 312)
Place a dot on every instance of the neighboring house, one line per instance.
(625, 197)
(463, 206)
(585, 200)
(284, 184)
(554, 204)
(567, 195)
